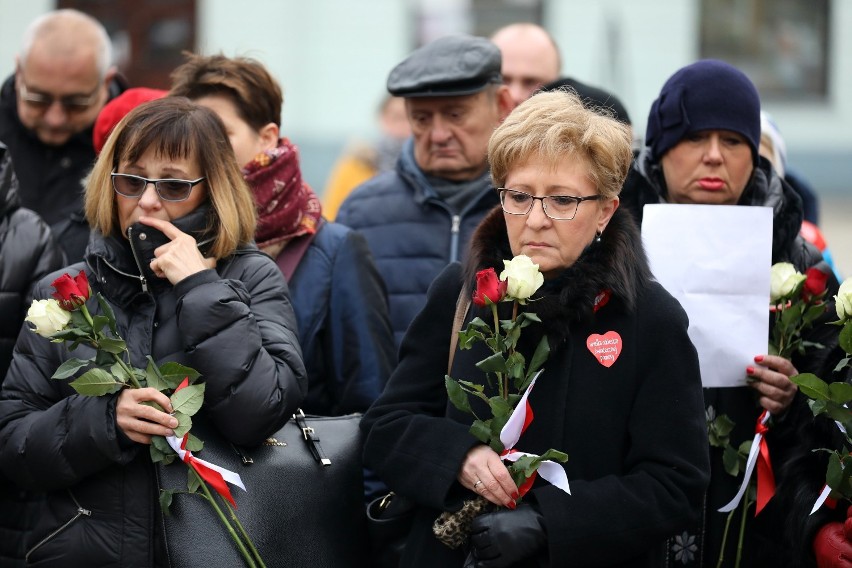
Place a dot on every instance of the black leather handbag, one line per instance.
(304, 504)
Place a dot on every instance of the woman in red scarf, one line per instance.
(337, 293)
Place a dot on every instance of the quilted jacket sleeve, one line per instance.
(240, 332)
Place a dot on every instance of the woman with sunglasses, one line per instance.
(173, 254)
(631, 422)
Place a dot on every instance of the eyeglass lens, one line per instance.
(167, 189)
(43, 101)
(555, 206)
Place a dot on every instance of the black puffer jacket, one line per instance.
(233, 324)
(27, 253)
(764, 545)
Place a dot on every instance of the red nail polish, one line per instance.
(749, 370)
(515, 495)
(758, 358)
(512, 505)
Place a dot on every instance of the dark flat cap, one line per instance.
(449, 66)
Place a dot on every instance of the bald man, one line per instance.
(63, 77)
(530, 59)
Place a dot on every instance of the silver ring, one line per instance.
(477, 484)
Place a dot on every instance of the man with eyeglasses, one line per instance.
(63, 77)
(420, 216)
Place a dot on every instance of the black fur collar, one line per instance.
(618, 264)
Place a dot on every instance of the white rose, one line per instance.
(843, 300)
(522, 276)
(783, 279)
(48, 317)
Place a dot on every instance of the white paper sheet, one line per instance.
(716, 260)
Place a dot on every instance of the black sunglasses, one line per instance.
(129, 185)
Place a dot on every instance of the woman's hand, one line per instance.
(179, 258)
(484, 473)
(772, 382)
(139, 421)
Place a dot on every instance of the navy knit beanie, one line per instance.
(707, 95)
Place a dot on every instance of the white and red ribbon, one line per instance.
(758, 456)
(518, 422)
(826, 490)
(211, 473)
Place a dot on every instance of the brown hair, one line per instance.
(245, 81)
(556, 125)
(177, 128)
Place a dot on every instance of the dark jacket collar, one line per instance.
(9, 200)
(617, 264)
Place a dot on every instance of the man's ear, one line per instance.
(505, 104)
(110, 75)
(269, 136)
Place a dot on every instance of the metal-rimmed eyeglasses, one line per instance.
(70, 104)
(557, 207)
(132, 186)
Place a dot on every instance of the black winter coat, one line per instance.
(634, 431)
(765, 540)
(51, 177)
(234, 324)
(28, 252)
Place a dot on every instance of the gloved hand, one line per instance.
(832, 548)
(506, 536)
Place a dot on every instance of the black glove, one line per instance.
(506, 537)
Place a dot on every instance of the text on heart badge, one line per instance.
(606, 348)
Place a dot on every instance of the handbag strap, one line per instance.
(462, 306)
(311, 439)
(289, 257)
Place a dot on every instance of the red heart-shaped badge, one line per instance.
(606, 348)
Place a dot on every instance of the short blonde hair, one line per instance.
(555, 125)
(177, 129)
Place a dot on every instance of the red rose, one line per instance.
(814, 283)
(488, 286)
(72, 292)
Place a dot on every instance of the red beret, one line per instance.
(117, 108)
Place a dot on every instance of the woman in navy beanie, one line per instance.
(701, 147)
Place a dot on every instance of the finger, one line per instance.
(153, 395)
(163, 226)
(777, 363)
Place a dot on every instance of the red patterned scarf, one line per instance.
(286, 205)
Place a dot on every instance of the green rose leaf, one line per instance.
(542, 352)
(731, 460)
(500, 408)
(481, 430)
(554, 455)
(154, 378)
(193, 482)
(78, 320)
(99, 322)
(107, 311)
(69, 367)
(110, 345)
(493, 364)
(188, 400)
(842, 364)
(193, 444)
(174, 374)
(456, 394)
(96, 382)
(834, 474)
(840, 393)
(812, 386)
(846, 337)
(166, 500)
(184, 423)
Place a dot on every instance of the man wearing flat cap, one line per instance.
(419, 217)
